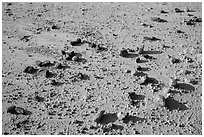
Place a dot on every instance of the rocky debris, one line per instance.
(99, 116)
(151, 38)
(146, 25)
(163, 12)
(49, 74)
(157, 19)
(190, 22)
(124, 53)
(78, 42)
(30, 70)
(177, 10)
(18, 110)
(39, 99)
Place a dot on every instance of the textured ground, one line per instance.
(102, 93)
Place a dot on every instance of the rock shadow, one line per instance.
(173, 104)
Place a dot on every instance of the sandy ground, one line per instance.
(136, 70)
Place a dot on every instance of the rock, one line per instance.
(151, 38)
(177, 10)
(76, 43)
(157, 19)
(45, 63)
(175, 60)
(173, 83)
(99, 116)
(141, 50)
(139, 68)
(18, 110)
(49, 74)
(159, 100)
(121, 115)
(198, 20)
(124, 53)
(75, 58)
(164, 12)
(71, 55)
(142, 80)
(138, 60)
(30, 70)
(39, 99)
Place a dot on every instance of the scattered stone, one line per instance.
(124, 53)
(18, 110)
(78, 42)
(30, 70)
(99, 116)
(177, 10)
(157, 19)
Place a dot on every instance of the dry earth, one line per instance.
(136, 70)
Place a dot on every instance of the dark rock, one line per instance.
(30, 70)
(190, 22)
(55, 83)
(46, 63)
(198, 20)
(124, 53)
(179, 31)
(55, 27)
(26, 38)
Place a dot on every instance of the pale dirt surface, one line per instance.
(40, 31)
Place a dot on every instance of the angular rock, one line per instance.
(49, 74)
(76, 43)
(157, 19)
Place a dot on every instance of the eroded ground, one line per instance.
(101, 89)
